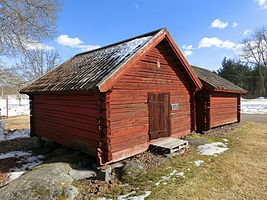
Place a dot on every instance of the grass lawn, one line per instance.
(17, 122)
(238, 173)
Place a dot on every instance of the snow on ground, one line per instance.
(254, 106)
(15, 106)
(165, 178)
(130, 197)
(214, 148)
(27, 158)
(198, 162)
(14, 154)
(14, 134)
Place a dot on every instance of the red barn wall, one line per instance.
(223, 108)
(128, 108)
(69, 120)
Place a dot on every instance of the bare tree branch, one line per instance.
(255, 53)
(25, 21)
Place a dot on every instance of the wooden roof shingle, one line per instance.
(85, 70)
(100, 68)
(216, 81)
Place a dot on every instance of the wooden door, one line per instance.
(159, 115)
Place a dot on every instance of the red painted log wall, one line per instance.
(157, 72)
(223, 108)
(69, 120)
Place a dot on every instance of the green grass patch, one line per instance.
(238, 173)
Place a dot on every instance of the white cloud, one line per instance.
(215, 42)
(187, 47)
(246, 32)
(33, 45)
(262, 3)
(218, 24)
(234, 25)
(65, 40)
(188, 53)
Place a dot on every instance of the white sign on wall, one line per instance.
(174, 106)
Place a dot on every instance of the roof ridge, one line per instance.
(122, 41)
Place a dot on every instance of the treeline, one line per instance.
(251, 78)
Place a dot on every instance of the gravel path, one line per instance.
(258, 118)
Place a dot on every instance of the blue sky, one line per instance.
(214, 28)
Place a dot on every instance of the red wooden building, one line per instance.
(113, 101)
(218, 102)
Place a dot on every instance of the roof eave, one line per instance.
(230, 91)
(186, 65)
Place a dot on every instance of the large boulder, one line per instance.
(46, 182)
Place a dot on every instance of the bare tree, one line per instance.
(36, 63)
(254, 52)
(24, 22)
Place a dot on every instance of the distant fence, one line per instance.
(13, 105)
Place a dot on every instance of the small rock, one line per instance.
(77, 174)
(47, 181)
(104, 173)
(70, 192)
(133, 165)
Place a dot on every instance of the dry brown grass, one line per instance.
(239, 173)
(17, 122)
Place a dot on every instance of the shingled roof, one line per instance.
(85, 70)
(217, 82)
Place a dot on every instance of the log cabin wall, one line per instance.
(156, 72)
(72, 120)
(224, 108)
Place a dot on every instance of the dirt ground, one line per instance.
(17, 122)
(258, 118)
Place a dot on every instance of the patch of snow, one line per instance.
(124, 196)
(164, 183)
(129, 196)
(140, 197)
(173, 172)
(14, 175)
(226, 140)
(254, 106)
(214, 148)
(103, 198)
(14, 154)
(181, 174)
(198, 162)
(164, 178)
(16, 134)
(129, 48)
(30, 161)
